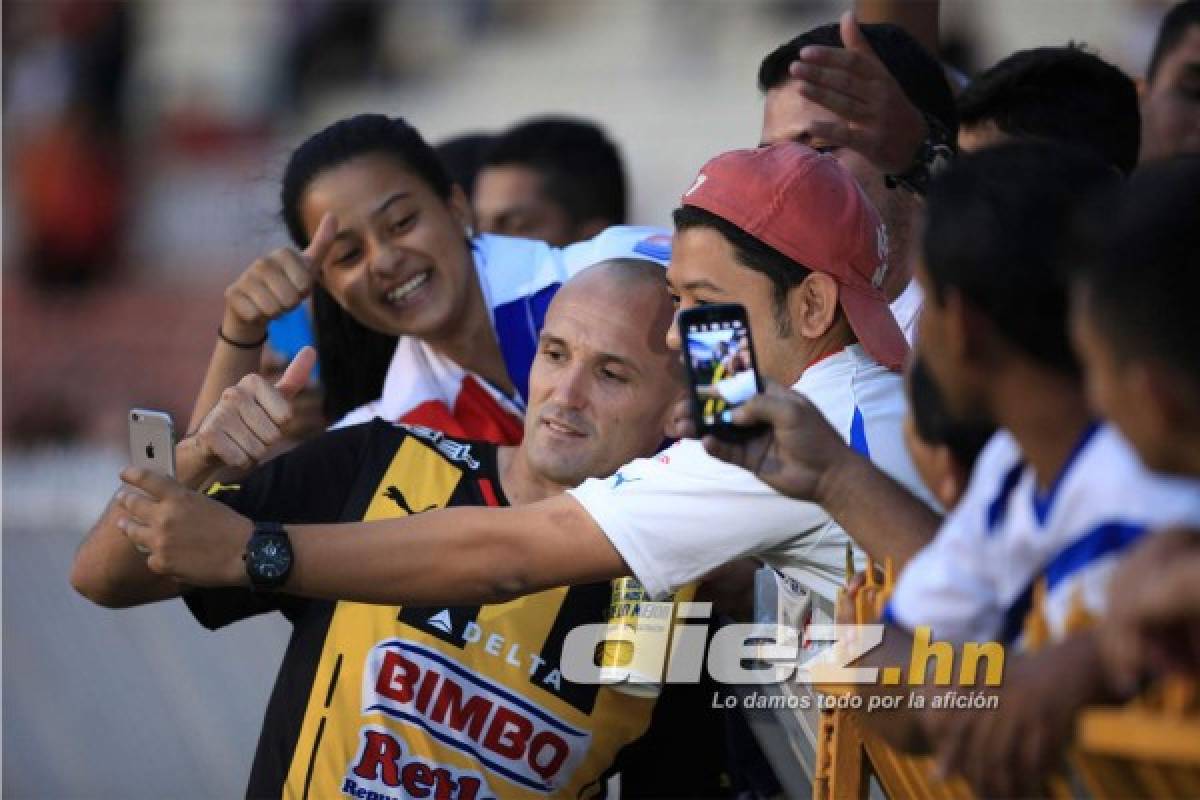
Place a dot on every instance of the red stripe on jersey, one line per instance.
(476, 415)
(477, 410)
(489, 493)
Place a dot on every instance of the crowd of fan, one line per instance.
(970, 312)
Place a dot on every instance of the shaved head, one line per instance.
(629, 273)
(603, 381)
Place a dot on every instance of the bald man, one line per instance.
(458, 701)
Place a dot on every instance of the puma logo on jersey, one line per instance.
(619, 479)
(396, 496)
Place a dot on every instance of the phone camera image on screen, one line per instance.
(722, 367)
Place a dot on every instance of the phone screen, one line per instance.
(720, 363)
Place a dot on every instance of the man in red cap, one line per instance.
(782, 230)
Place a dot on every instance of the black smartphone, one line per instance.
(722, 372)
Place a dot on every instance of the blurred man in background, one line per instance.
(556, 179)
(1135, 328)
(876, 100)
(1065, 94)
(462, 156)
(1171, 93)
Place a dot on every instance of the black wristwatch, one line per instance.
(268, 557)
(934, 155)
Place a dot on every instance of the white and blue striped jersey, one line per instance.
(975, 581)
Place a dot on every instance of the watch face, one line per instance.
(270, 559)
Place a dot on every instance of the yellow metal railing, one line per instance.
(1149, 748)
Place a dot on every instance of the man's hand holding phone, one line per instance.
(188, 537)
(775, 433)
(795, 448)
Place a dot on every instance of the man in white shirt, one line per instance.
(748, 222)
(1055, 499)
(1137, 334)
(1071, 534)
(1054, 496)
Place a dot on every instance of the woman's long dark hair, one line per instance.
(354, 359)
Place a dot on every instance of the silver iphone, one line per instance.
(152, 441)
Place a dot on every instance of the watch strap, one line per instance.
(934, 154)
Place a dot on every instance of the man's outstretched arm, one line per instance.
(239, 431)
(457, 555)
(110, 572)
(800, 455)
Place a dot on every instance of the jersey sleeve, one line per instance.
(1120, 503)
(310, 484)
(949, 584)
(676, 517)
(945, 588)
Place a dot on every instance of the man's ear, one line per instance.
(952, 481)
(460, 209)
(813, 305)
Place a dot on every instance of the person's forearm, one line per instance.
(109, 571)
(901, 726)
(1174, 595)
(227, 366)
(1078, 659)
(455, 556)
(879, 514)
(195, 466)
(1075, 661)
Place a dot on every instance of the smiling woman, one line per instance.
(400, 263)
(417, 319)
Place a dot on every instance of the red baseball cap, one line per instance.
(808, 207)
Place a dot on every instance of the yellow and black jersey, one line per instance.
(382, 702)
